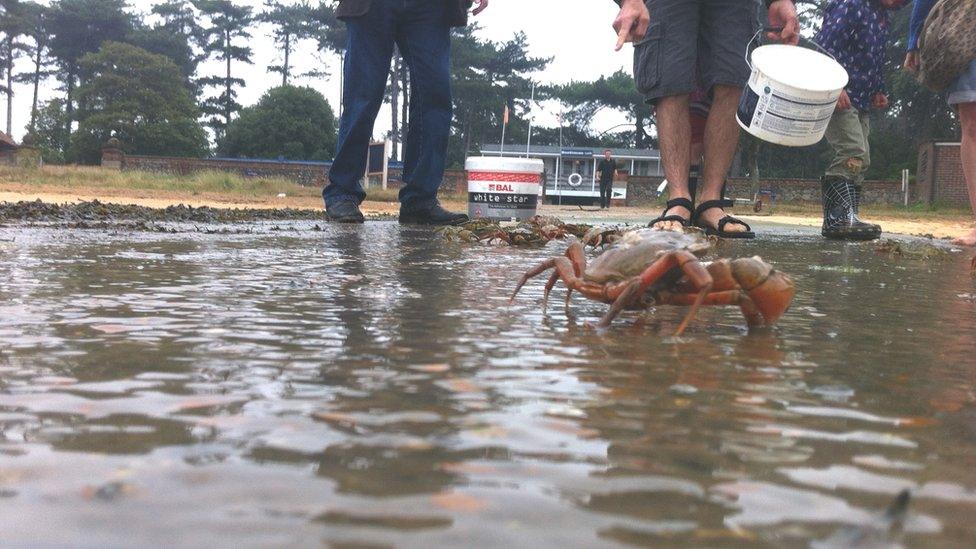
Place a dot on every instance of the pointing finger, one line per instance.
(624, 35)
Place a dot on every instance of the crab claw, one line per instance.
(770, 290)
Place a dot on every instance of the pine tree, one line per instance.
(292, 23)
(12, 23)
(77, 28)
(228, 23)
(35, 28)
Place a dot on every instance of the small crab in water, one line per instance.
(648, 267)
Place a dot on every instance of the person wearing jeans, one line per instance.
(962, 96)
(421, 29)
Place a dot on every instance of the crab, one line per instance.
(648, 267)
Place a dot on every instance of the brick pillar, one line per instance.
(112, 155)
(925, 173)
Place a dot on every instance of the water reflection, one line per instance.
(370, 385)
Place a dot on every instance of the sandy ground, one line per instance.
(13, 192)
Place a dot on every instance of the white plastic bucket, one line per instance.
(791, 95)
(503, 189)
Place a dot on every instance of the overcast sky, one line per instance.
(576, 33)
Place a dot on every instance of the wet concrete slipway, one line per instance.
(370, 386)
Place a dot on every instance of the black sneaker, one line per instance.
(345, 211)
(434, 214)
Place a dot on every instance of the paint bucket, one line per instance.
(503, 189)
(791, 95)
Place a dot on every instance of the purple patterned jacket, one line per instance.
(856, 33)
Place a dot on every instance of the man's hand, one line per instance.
(631, 23)
(879, 101)
(844, 103)
(482, 4)
(911, 62)
(782, 14)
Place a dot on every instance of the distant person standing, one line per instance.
(421, 29)
(962, 96)
(855, 32)
(607, 170)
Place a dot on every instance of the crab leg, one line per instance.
(564, 268)
(549, 285)
(695, 274)
(724, 297)
(577, 259)
(762, 292)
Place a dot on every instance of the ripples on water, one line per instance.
(370, 385)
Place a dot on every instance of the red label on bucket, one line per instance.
(497, 176)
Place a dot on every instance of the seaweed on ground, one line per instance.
(95, 211)
(536, 231)
(911, 249)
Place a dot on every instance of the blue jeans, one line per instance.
(421, 29)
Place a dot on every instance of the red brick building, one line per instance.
(939, 177)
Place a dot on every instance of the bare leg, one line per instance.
(967, 116)
(721, 140)
(674, 130)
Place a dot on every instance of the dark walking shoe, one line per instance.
(345, 211)
(841, 203)
(434, 214)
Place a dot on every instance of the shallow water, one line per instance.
(370, 386)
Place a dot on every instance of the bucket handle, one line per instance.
(779, 29)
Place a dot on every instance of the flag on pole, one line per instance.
(505, 117)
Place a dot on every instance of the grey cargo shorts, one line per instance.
(694, 43)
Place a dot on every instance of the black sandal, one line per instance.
(675, 203)
(720, 231)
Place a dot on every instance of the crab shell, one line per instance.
(638, 249)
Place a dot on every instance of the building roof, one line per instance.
(7, 143)
(553, 151)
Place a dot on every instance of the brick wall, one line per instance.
(939, 175)
(454, 182)
(312, 174)
(643, 190)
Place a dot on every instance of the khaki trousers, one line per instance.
(847, 135)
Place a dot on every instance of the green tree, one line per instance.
(292, 23)
(487, 76)
(291, 122)
(138, 97)
(228, 24)
(615, 92)
(12, 26)
(179, 18)
(327, 30)
(176, 46)
(178, 36)
(35, 28)
(48, 131)
(77, 28)
(331, 36)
